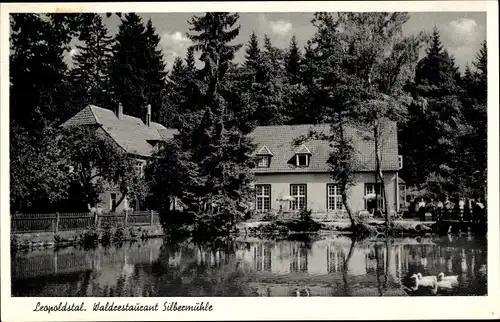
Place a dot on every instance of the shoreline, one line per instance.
(44, 240)
(375, 228)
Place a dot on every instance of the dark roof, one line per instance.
(279, 139)
(130, 132)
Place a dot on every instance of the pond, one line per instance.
(316, 266)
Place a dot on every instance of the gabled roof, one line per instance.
(130, 132)
(265, 151)
(280, 139)
(303, 149)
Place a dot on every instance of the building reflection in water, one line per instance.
(335, 259)
(113, 270)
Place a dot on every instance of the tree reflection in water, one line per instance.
(331, 266)
(209, 269)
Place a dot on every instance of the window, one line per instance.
(371, 188)
(402, 195)
(263, 197)
(334, 197)
(263, 162)
(113, 200)
(302, 156)
(302, 160)
(400, 162)
(139, 166)
(299, 192)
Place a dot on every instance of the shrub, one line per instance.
(14, 242)
(270, 216)
(133, 233)
(90, 237)
(58, 239)
(106, 234)
(304, 223)
(175, 221)
(119, 235)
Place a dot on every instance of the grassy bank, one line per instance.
(86, 237)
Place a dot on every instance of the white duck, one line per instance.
(452, 279)
(444, 285)
(427, 281)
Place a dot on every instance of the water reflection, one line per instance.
(334, 266)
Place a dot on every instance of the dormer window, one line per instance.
(263, 162)
(302, 160)
(302, 156)
(264, 155)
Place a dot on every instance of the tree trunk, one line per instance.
(119, 202)
(380, 175)
(386, 203)
(347, 207)
(344, 188)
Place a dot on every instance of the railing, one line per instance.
(55, 222)
(460, 215)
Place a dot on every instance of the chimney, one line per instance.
(119, 111)
(148, 116)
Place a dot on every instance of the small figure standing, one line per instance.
(439, 209)
(421, 209)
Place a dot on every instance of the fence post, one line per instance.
(56, 228)
(151, 218)
(126, 218)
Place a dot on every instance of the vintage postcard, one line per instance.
(249, 161)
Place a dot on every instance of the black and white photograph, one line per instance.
(247, 154)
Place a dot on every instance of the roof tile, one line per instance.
(129, 132)
(280, 139)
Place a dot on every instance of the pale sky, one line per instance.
(461, 32)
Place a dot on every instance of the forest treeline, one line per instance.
(356, 67)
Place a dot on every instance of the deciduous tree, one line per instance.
(97, 163)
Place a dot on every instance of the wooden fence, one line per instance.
(55, 222)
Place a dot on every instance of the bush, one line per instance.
(133, 233)
(273, 229)
(270, 216)
(58, 239)
(14, 242)
(175, 221)
(207, 227)
(304, 223)
(90, 237)
(119, 235)
(106, 235)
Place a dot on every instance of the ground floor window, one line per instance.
(299, 194)
(402, 195)
(334, 197)
(263, 197)
(373, 189)
(113, 201)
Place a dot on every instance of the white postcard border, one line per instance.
(319, 308)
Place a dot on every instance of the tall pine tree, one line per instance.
(431, 137)
(481, 73)
(40, 100)
(156, 74)
(89, 75)
(138, 74)
(293, 60)
(473, 150)
(215, 153)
